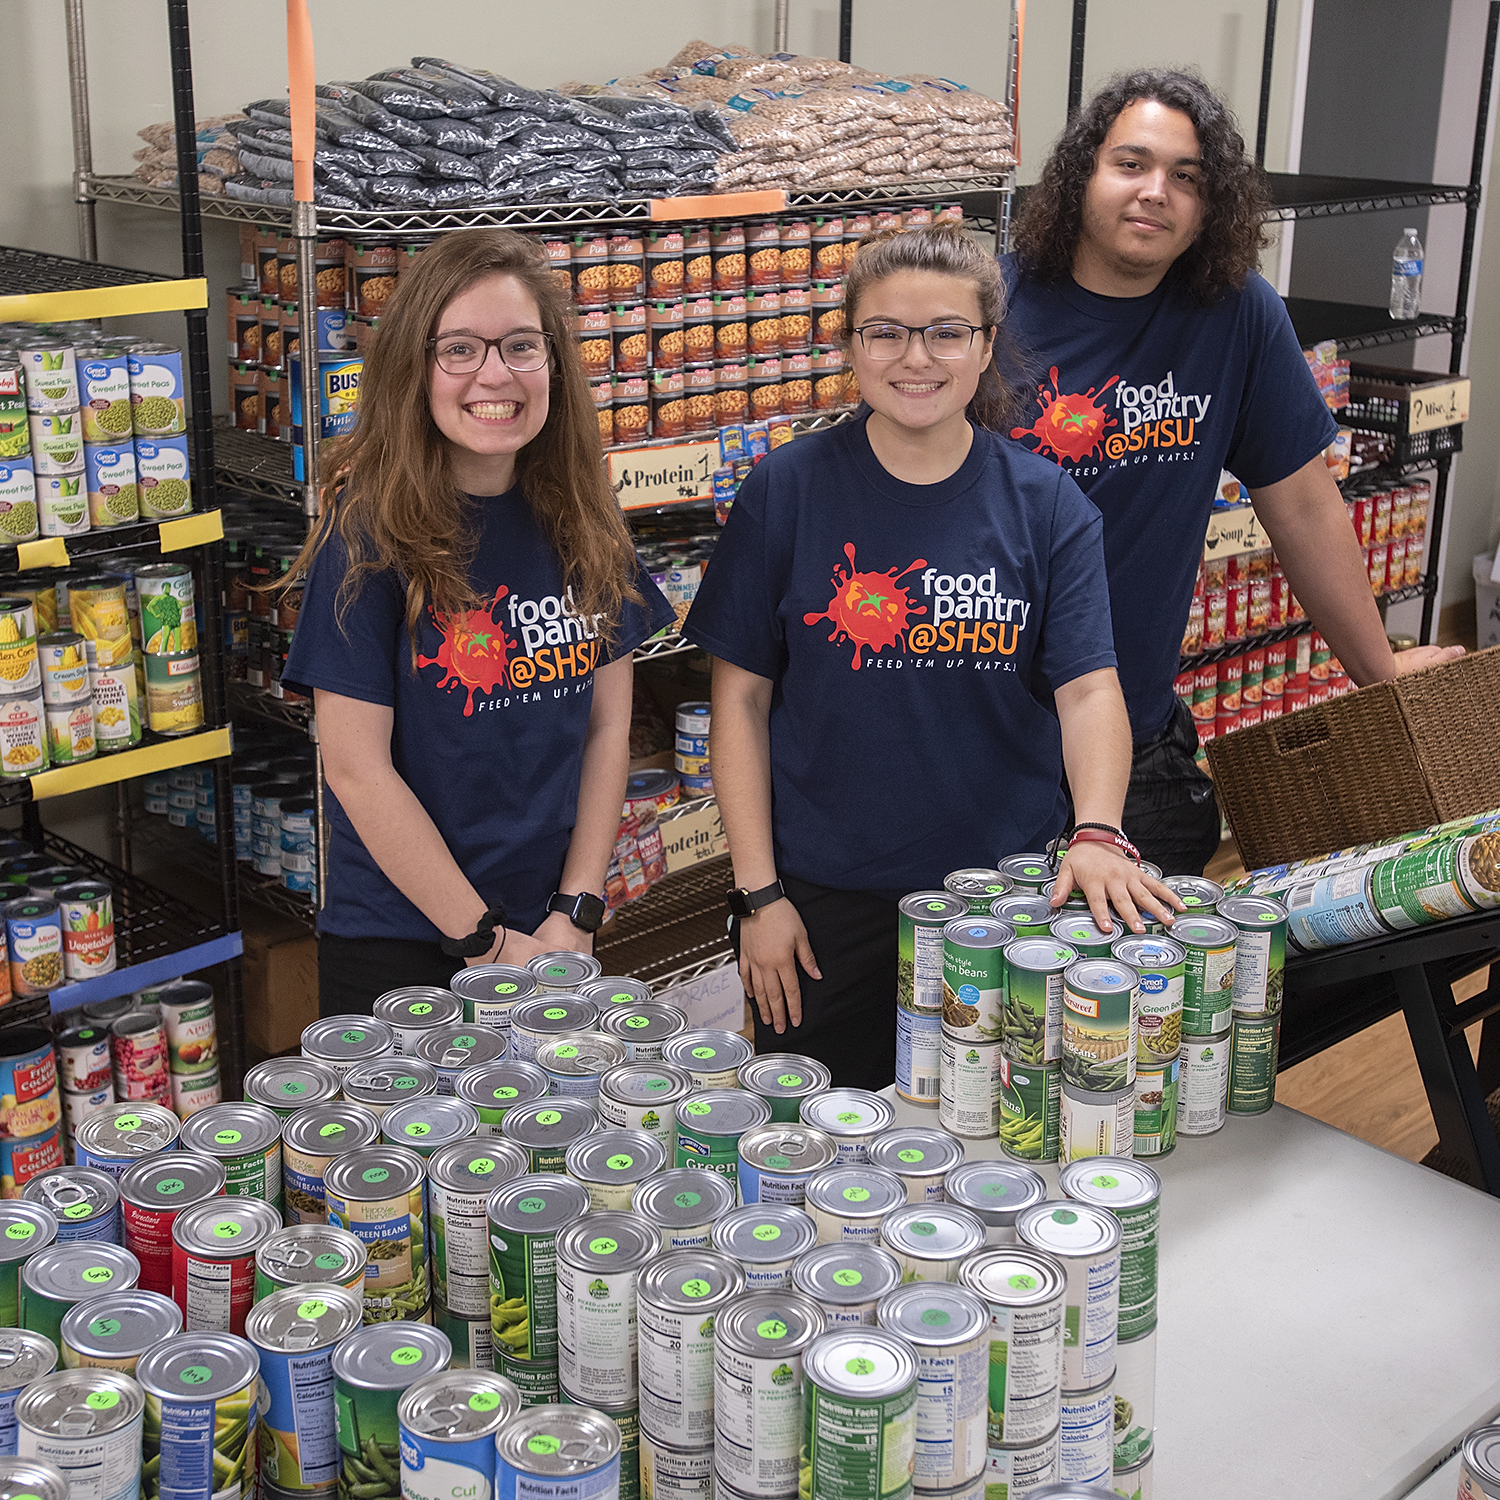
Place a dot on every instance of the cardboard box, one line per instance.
(280, 982)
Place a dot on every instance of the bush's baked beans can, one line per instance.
(379, 1194)
(57, 1278)
(343, 1042)
(498, 1087)
(847, 1281)
(853, 1117)
(1203, 1083)
(487, 992)
(246, 1138)
(83, 1059)
(1208, 975)
(87, 1424)
(1254, 1043)
(294, 1332)
(948, 1328)
(26, 1229)
(310, 1139)
(84, 1202)
(1086, 1443)
(545, 1016)
(710, 1123)
(683, 1204)
(847, 1202)
(995, 1192)
(921, 1157)
(426, 1124)
(112, 1331)
(711, 1057)
(1086, 1241)
(305, 1255)
(612, 1164)
(213, 1261)
(152, 1193)
(783, 1080)
(114, 1138)
(545, 1130)
(289, 1085)
(759, 1343)
(460, 1178)
(383, 1084)
(598, 1262)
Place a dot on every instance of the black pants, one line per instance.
(353, 973)
(1171, 813)
(848, 1016)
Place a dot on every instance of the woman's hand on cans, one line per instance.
(1108, 879)
(773, 943)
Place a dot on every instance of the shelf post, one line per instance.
(1075, 59)
(305, 233)
(1267, 57)
(83, 139)
(780, 25)
(846, 30)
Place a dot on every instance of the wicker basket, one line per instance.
(1379, 762)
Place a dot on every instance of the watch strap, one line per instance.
(585, 910)
(744, 902)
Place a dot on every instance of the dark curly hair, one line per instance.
(1231, 186)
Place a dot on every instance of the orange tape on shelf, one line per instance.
(299, 64)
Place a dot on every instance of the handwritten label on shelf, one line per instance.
(1435, 406)
(643, 477)
(1234, 530)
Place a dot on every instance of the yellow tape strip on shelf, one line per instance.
(105, 770)
(192, 531)
(45, 552)
(105, 302)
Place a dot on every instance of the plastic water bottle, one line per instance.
(1406, 276)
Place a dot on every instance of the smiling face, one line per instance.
(1141, 208)
(917, 393)
(489, 415)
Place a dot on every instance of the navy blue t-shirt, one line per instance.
(489, 729)
(915, 635)
(1143, 400)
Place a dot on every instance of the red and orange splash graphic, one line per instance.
(868, 609)
(1070, 428)
(474, 653)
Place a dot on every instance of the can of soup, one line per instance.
(88, 1425)
(1086, 1241)
(379, 1194)
(153, 1192)
(305, 1255)
(683, 1204)
(460, 1178)
(112, 1331)
(495, 1089)
(213, 1261)
(611, 1164)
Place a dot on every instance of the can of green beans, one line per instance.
(785, 1079)
(1026, 872)
(286, 1085)
(976, 888)
(303, 1255)
(545, 1130)
(1200, 896)
(1030, 1110)
(1254, 1042)
(974, 977)
(1159, 964)
(499, 1087)
(1131, 1191)
(1030, 913)
(921, 918)
(710, 1123)
(1099, 1025)
(859, 1423)
(453, 1048)
(1208, 973)
(1095, 1123)
(379, 1194)
(1259, 952)
(460, 1178)
(1156, 1108)
(383, 1084)
(487, 992)
(1034, 968)
(426, 1124)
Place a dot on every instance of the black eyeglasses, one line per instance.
(888, 341)
(464, 353)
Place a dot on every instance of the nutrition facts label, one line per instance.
(311, 1380)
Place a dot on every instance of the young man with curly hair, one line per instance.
(1157, 356)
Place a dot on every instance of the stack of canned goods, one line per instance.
(691, 755)
(30, 1125)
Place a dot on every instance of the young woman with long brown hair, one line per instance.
(471, 603)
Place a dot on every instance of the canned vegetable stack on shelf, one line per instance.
(59, 924)
(30, 1109)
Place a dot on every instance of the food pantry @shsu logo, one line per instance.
(1073, 427)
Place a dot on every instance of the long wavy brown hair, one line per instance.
(395, 503)
(1232, 187)
(947, 249)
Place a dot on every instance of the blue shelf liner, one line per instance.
(154, 971)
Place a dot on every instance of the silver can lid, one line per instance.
(374, 1174)
(538, 1203)
(388, 1081)
(683, 1197)
(416, 1007)
(300, 1319)
(848, 1112)
(79, 1269)
(477, 1166)
(607, 1244)
(580, 1054)
(995, 1190)
(347, 1039)
(330, 1129)
(936, 908)
(72, 1195)
(1204, 932)
(552, 1015)
(860, 1364)
(461, 1045)
(493, 984)
(231, 1130)
(290, 1083)
(616, 1156)
(426, 1123)
(976, 883)
(27, 1227)
(935, 1313)
(312, 1254)
(787, 1147)
(688, 1281)
(1069, 1230)
(1080, 929)
(59, 1405)
(556, 1442)
(1040, 955)
(31, 1479)
(391, 1356)
(784, 1075)
(1104, 976)
(198, 1367)
(916, 1151)
(1254, 913)
(769, 1325)
(1481, 1453)
(856, 1191)
(978, 932)
(124, 1132)
(1113, 1182)
(506, 1084)
(610, 990)
(1026, 869)
(1148, 952)
(846, 1275)
(458, 1405)
(1013, 1276)
(173, 1180)
(563, 969)
(225, 1228)
(933, 1231)
(708, 1050)
(120, 1325)
(1195, 893)
(721, 1112)
(1029, 906)
(24, 1356)
(646, 1083)
(765, 1233)
(643, 1022)
(549, 1122)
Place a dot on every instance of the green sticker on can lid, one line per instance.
(506, 987)
(1267, 916)
(227, 1229)
(936, 906)
(333, 1128)
(935, 1317)
(292, 1086)
(419, 1008)
(656, 1085)
(464, 1043)
(847, 1276)
(375, 1174)
(566, 1050)
(635, 1023)
(481, 1166)
(621, 999)
(127, 1122)
(406, 1355)
(772, 1328)
(353, 1037)
(856, 1195)
(621, 1163)
(765, 1232)
(555, 969)
(101, 1400)
(532, 1205)
(543, 1443)
(78, 1210)
(789, 1080)
(911, 1154)
(923, 1228)
(20, 1231)
(697, 1287)
(313, 1308)
(687, 1200)
(506, 1092)
(603, 1246)
(418, 1128)
(169, 1187)
(859, 1366)
(850, 1117)
(705, 1052)
(554, 1012)
(993, 1190)
(1024, 1283)
(1192, 900)
(484, 1400)
(195, 1375)
(405, 1081)
(1033, 870)
(1064, 1216)
(1103, 1180)
(548, 1117)
(328, 1261)
(104, 1328)
(227, 1137)
(781, 1163)
(698, 1109)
